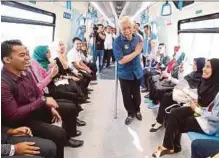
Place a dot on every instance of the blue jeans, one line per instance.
(92, 49)
(99, 54)
(203, 148)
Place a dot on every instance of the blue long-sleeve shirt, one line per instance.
(122, 47)
(209, 117)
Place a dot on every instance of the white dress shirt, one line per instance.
(108, 43)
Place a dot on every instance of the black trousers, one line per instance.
(180, 120)
(202, 148)
(87, 78)
(148, 77)
(131, 95)
(144, 60)
(41, 127)
(93, 68)
(40, 124)
(165, 102)
(113, 57)
(22, 157)
(47, 147)
(157, 91)
(107, 57)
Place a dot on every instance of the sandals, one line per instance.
(161, 152)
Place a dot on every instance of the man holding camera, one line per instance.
(99, 46)
(127, 48)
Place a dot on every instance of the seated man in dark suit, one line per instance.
(20, 143)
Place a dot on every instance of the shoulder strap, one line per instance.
(10, 83)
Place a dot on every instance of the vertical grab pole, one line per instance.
(116, 91)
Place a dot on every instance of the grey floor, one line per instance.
(106, 137)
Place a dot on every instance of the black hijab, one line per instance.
(209, 88)
(194, 78)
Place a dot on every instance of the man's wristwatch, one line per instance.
(12, 152)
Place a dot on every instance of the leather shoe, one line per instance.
(80, 108)
(139, 116)
(81, 123)
(129, 120)
(78, 133)
(89, 90)
(74, 143)
(85, 102)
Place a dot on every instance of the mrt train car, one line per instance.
(110, 79)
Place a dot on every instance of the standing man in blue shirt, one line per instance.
(127, 48)
(82, 32)
(149, 35)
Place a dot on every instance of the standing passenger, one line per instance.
(127, 49)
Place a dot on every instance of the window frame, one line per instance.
(21, 6)
(196, 19)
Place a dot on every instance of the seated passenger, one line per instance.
(62, 84)
(163, 60)
(203, 148)
(193, 79)
(158, 89)
(200, 116)
(20, 142)
(87, 61)
(23, 104)
(75, 62)
(43, 79)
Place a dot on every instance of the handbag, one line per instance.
(180, 96)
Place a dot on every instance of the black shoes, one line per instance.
(78, 133)
(89, 90)
(80, 108)
(139, 116)
(74, 143)
(129, 120)
(81, 123)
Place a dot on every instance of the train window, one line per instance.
(199, 37)
(24, 14)
(34, 34)
(31, 25)
(212, 23)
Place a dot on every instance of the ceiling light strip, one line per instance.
(101, 12)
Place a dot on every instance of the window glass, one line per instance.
(34, 34)
(212, 23)
(199, 45)
(24, 14)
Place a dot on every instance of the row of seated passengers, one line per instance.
(36, 93)
(196, 100)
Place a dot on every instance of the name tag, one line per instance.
(126, 47)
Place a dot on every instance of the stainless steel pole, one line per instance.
(116, 91)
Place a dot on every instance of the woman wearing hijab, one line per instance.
(78, 82)
(41, 55)
(201, 116)
(61, 89)
(193, 80)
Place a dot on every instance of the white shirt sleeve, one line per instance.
(73, 56)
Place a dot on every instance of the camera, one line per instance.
(95, 28)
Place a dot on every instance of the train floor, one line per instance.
(106, 137)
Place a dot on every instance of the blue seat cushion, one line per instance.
(193, 136)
